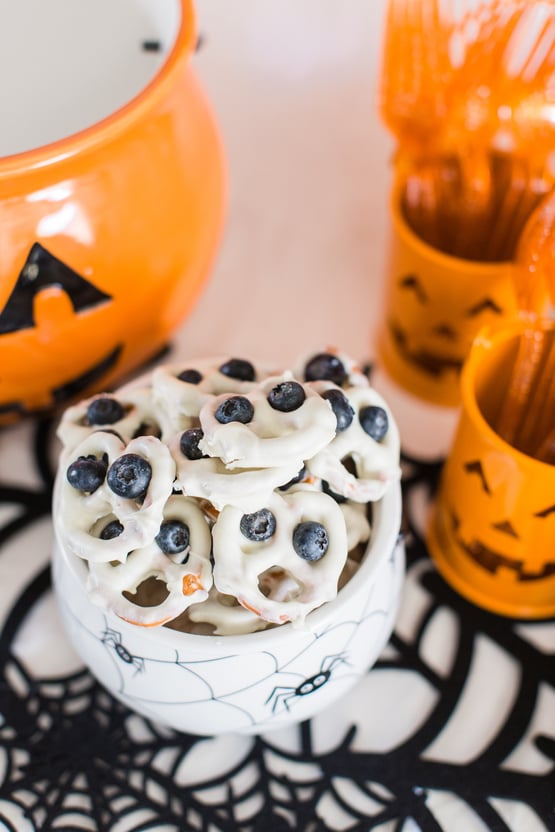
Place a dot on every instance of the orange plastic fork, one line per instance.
(481, 37)
(415, 72)
(526, 89)
(458, 94)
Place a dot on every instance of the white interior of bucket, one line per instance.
(66, 65)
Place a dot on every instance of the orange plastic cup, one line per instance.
(434, 305)
(492, 528)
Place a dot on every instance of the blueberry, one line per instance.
(286, 396)
(104, 411)
(310, 540)
(87, 473)
(344, 413)
(238, 368)
(113, 529)
(235, 409)
(374, 421)
(260, 525)
(173, 537)
(190, 376)
(129, 476)
(325, 366)
(189, 443)
(300, 476)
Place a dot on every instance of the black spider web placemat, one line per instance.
(454, 728)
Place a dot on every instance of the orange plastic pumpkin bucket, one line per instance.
(112, 195)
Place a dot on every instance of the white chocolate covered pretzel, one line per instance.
(268, 577)
(376, 461)
(182, 399)
(356, 523)
(209, 479)
(86, 515)
(271, 437)
(139, 417)
(226, 616)
(187, 574)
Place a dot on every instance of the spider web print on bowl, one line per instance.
(452, 728)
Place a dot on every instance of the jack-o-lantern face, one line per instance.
(50, 311)
(434, 306)
(440, 343)
(492, 528)
(521, 543)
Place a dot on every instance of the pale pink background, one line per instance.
(294, 88)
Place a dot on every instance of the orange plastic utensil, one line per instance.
(540, 415)
(415, 67)
(456, 90)
(534, 278)
(476, 93)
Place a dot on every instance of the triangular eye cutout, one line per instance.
(412, 282)
(475, 467)
(546, 512)
(41, 271)
(505, 527)
(486, 305)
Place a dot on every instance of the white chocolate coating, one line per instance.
(187, 576)
(209, 479)
(377, 463)
(356, 523)
(272, 438)
(226, 615)
(296, 586)
(140, 416)
(181, 401)
(248, 585)
(79, 518)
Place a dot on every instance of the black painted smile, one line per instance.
(72, 388)
(491, 560)
(429, 362)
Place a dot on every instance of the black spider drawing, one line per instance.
(283, 694)
(228, 696)
(113, 639)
